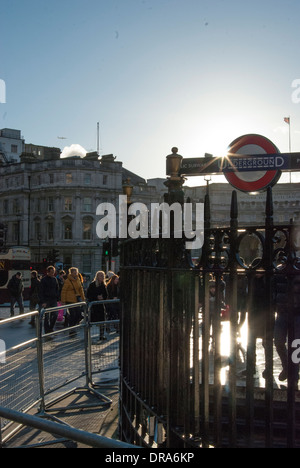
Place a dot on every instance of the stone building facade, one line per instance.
(251, 207)
(50, 203)
(12, 145)
(251, 212)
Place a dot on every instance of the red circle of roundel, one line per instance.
(268, 179)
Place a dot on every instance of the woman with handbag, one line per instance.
(71, 293)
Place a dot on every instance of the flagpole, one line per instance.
(289, 134)
(290, 145)
(288, 121)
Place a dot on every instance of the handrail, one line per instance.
(78, 435)
(39, 390)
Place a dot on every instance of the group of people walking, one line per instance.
(66, 289)
(252, 297)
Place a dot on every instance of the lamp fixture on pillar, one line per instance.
(174, 163)
(175, 181)
(127, 190)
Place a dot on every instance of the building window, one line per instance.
(87, 179)
(87, 230)
(16, 232)
(37, 231)
(16, 206)
(51, 178)
(68, 203)
(50, 204)
(69, 178)
(14, 148)
(68, 231)
(87, 263)
(5, 208)
(50, 230)
(36, 258)
(87, 205)
(105, 180)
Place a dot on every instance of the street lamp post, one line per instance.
(19, 227)
(207, 180)
(39, 239)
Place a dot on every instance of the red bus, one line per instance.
(11, 261)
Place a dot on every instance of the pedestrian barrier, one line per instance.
(107, 357)
(65, 432)
(36, 372)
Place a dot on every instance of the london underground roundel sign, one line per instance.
(251, 180)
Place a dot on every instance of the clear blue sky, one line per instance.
(154, 73)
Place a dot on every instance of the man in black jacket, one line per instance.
(16, 287)
(49, 294)
(287, 297)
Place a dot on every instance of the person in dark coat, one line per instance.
(97, 292)
(113, 289)
(60, 279)
(49, 295)
(16, 287)
(257, 311)
(34, 298)
(287, 298)
(257, 314)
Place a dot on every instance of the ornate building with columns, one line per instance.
(49, 203)
(251, 207)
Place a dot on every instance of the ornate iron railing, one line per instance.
(178, 387)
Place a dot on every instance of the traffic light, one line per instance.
(115, 247)
(106, 248)
(53, 256)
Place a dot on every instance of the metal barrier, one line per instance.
(19, 377)
(68, 433)
(103, 342)
(33, 373)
